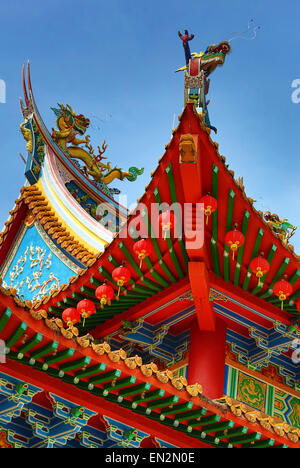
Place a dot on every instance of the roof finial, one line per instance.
(196, 71)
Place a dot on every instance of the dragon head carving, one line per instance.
(213, 56)
(78, 122)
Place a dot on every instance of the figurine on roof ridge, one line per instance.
(198, 67)
(282, 227)
(185, 42)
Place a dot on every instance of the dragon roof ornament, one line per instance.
(200, 65)
(281, 227)
(197, 69)
(69, 126)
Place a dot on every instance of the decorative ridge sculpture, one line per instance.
(69, 125)
(196, 71)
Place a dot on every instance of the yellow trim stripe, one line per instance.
(82, 241)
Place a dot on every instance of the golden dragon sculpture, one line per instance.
(26, 132)
(69, 126)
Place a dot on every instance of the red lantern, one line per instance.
(104, 293)
(71, 316)
(121, 275)
(260, 266)
(210, 205)
(86, 308)
(142, 249)
(298, 305)
(167, 221)
(283, 289)
(234, 239)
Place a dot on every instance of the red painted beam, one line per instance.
(199, 279)
(207, 358)
(249, 300)
(242, 312)
(162, 302)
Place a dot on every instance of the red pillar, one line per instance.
(207, 358)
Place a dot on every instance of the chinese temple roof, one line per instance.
(164, 273)
(118, 357)
(168, 265)
(144, 393)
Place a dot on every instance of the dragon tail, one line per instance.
(134, 173)
(131, 175)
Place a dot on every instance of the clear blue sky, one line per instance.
(114, 61)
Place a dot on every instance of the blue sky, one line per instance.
(114, 61)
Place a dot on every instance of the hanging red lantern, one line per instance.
(167, 221)
(298, 305)
(121, 275)
(260, 266)
(283, 289)
(86, 308)
(210, 205)
(234, 239)
(71, 316)
(104, 293)
(142, 249)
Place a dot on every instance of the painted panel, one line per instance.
(262, 396)
(251, 391)
(287, 407)
(35, 265)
